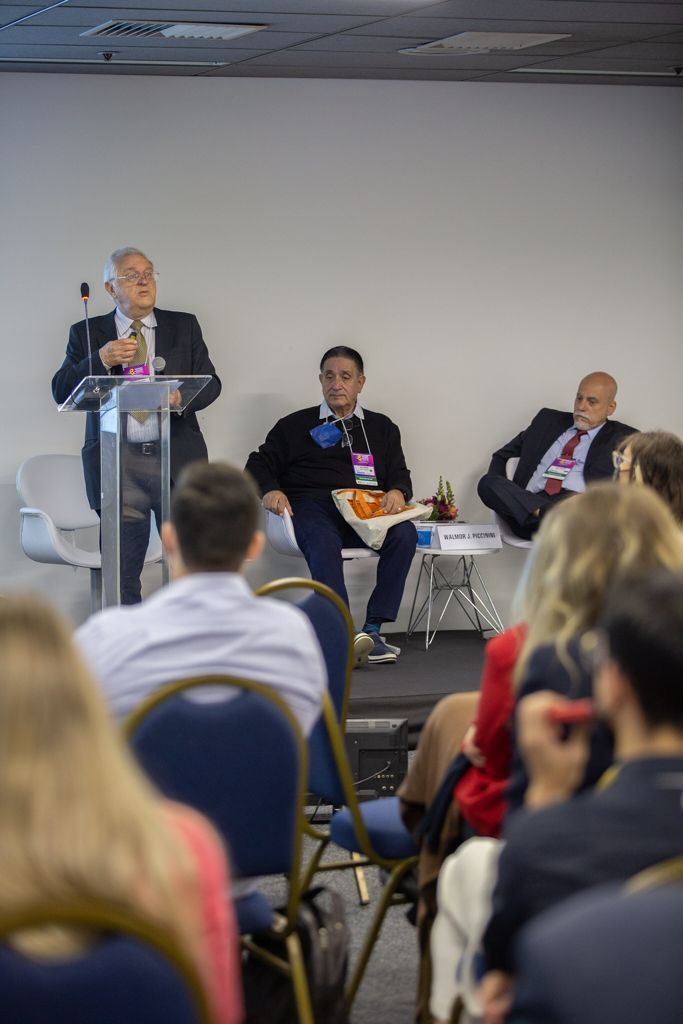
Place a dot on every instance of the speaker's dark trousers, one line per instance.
(321, 533)
(515, 504)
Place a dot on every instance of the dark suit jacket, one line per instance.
(178, 339)
(597, 837)
(531, 445)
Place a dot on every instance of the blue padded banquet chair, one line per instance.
(333, 627)
(372, 832)
(130, 972)
(242, 761)
(606, 954)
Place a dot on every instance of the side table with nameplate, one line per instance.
(449, 552)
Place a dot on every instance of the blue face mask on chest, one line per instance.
(326, 435)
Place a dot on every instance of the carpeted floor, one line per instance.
(411, 686)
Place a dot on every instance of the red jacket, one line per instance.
(480, 794)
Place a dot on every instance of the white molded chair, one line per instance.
(55, 508)
(506, 534)
(280, 533)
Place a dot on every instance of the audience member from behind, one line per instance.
(636, 820)
(80, 822)
(559, 454)
(654, 458)
(607, 531)
(207, 621)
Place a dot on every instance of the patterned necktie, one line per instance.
(140, 356)
(138, 359)
(553, 486)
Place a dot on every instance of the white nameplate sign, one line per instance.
(468, 536)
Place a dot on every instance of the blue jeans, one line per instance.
(321, 533)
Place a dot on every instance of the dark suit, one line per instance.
(178, 339)
(510, 499)
(603, 956)
(594, 838)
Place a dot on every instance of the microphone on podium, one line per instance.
(85, 295)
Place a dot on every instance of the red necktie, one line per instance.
(552, 485)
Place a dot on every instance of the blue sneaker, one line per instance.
(381, 651)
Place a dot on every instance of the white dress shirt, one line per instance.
(203, 624)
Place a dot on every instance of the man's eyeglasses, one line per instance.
(132, 277)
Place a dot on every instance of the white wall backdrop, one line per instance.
(484, 246)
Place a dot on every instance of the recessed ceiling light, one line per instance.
(483, 42)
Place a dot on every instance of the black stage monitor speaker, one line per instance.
(377, 749)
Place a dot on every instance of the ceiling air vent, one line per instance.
(471, 43)
(170, 30)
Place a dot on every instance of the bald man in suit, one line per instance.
(578, 445)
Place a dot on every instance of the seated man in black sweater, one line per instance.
(310, 453)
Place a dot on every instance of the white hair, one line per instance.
(120, 254)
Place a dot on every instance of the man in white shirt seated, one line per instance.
(207, 620)
(559, 453)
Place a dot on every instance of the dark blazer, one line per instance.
(178, 339)
(531, 445)
(600, 836)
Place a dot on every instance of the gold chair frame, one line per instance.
(102, 917)
(284, 928)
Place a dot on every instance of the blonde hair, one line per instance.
(78, 820)
(581, 546)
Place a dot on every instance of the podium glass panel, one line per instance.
(135, 419)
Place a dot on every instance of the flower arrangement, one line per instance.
(443, 505)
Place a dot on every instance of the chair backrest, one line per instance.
(666, 872)
(131, 973)
(511, 466)
(333, 627)
(240, 759)
(55, 485)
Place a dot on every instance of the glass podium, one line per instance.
(135, 415)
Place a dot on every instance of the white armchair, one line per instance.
(280, 533)
(55, 508)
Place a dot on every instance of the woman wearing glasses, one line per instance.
(655, 458)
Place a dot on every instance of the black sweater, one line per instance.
(289, 460)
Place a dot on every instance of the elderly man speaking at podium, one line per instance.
(314, 451)
(136, 332)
